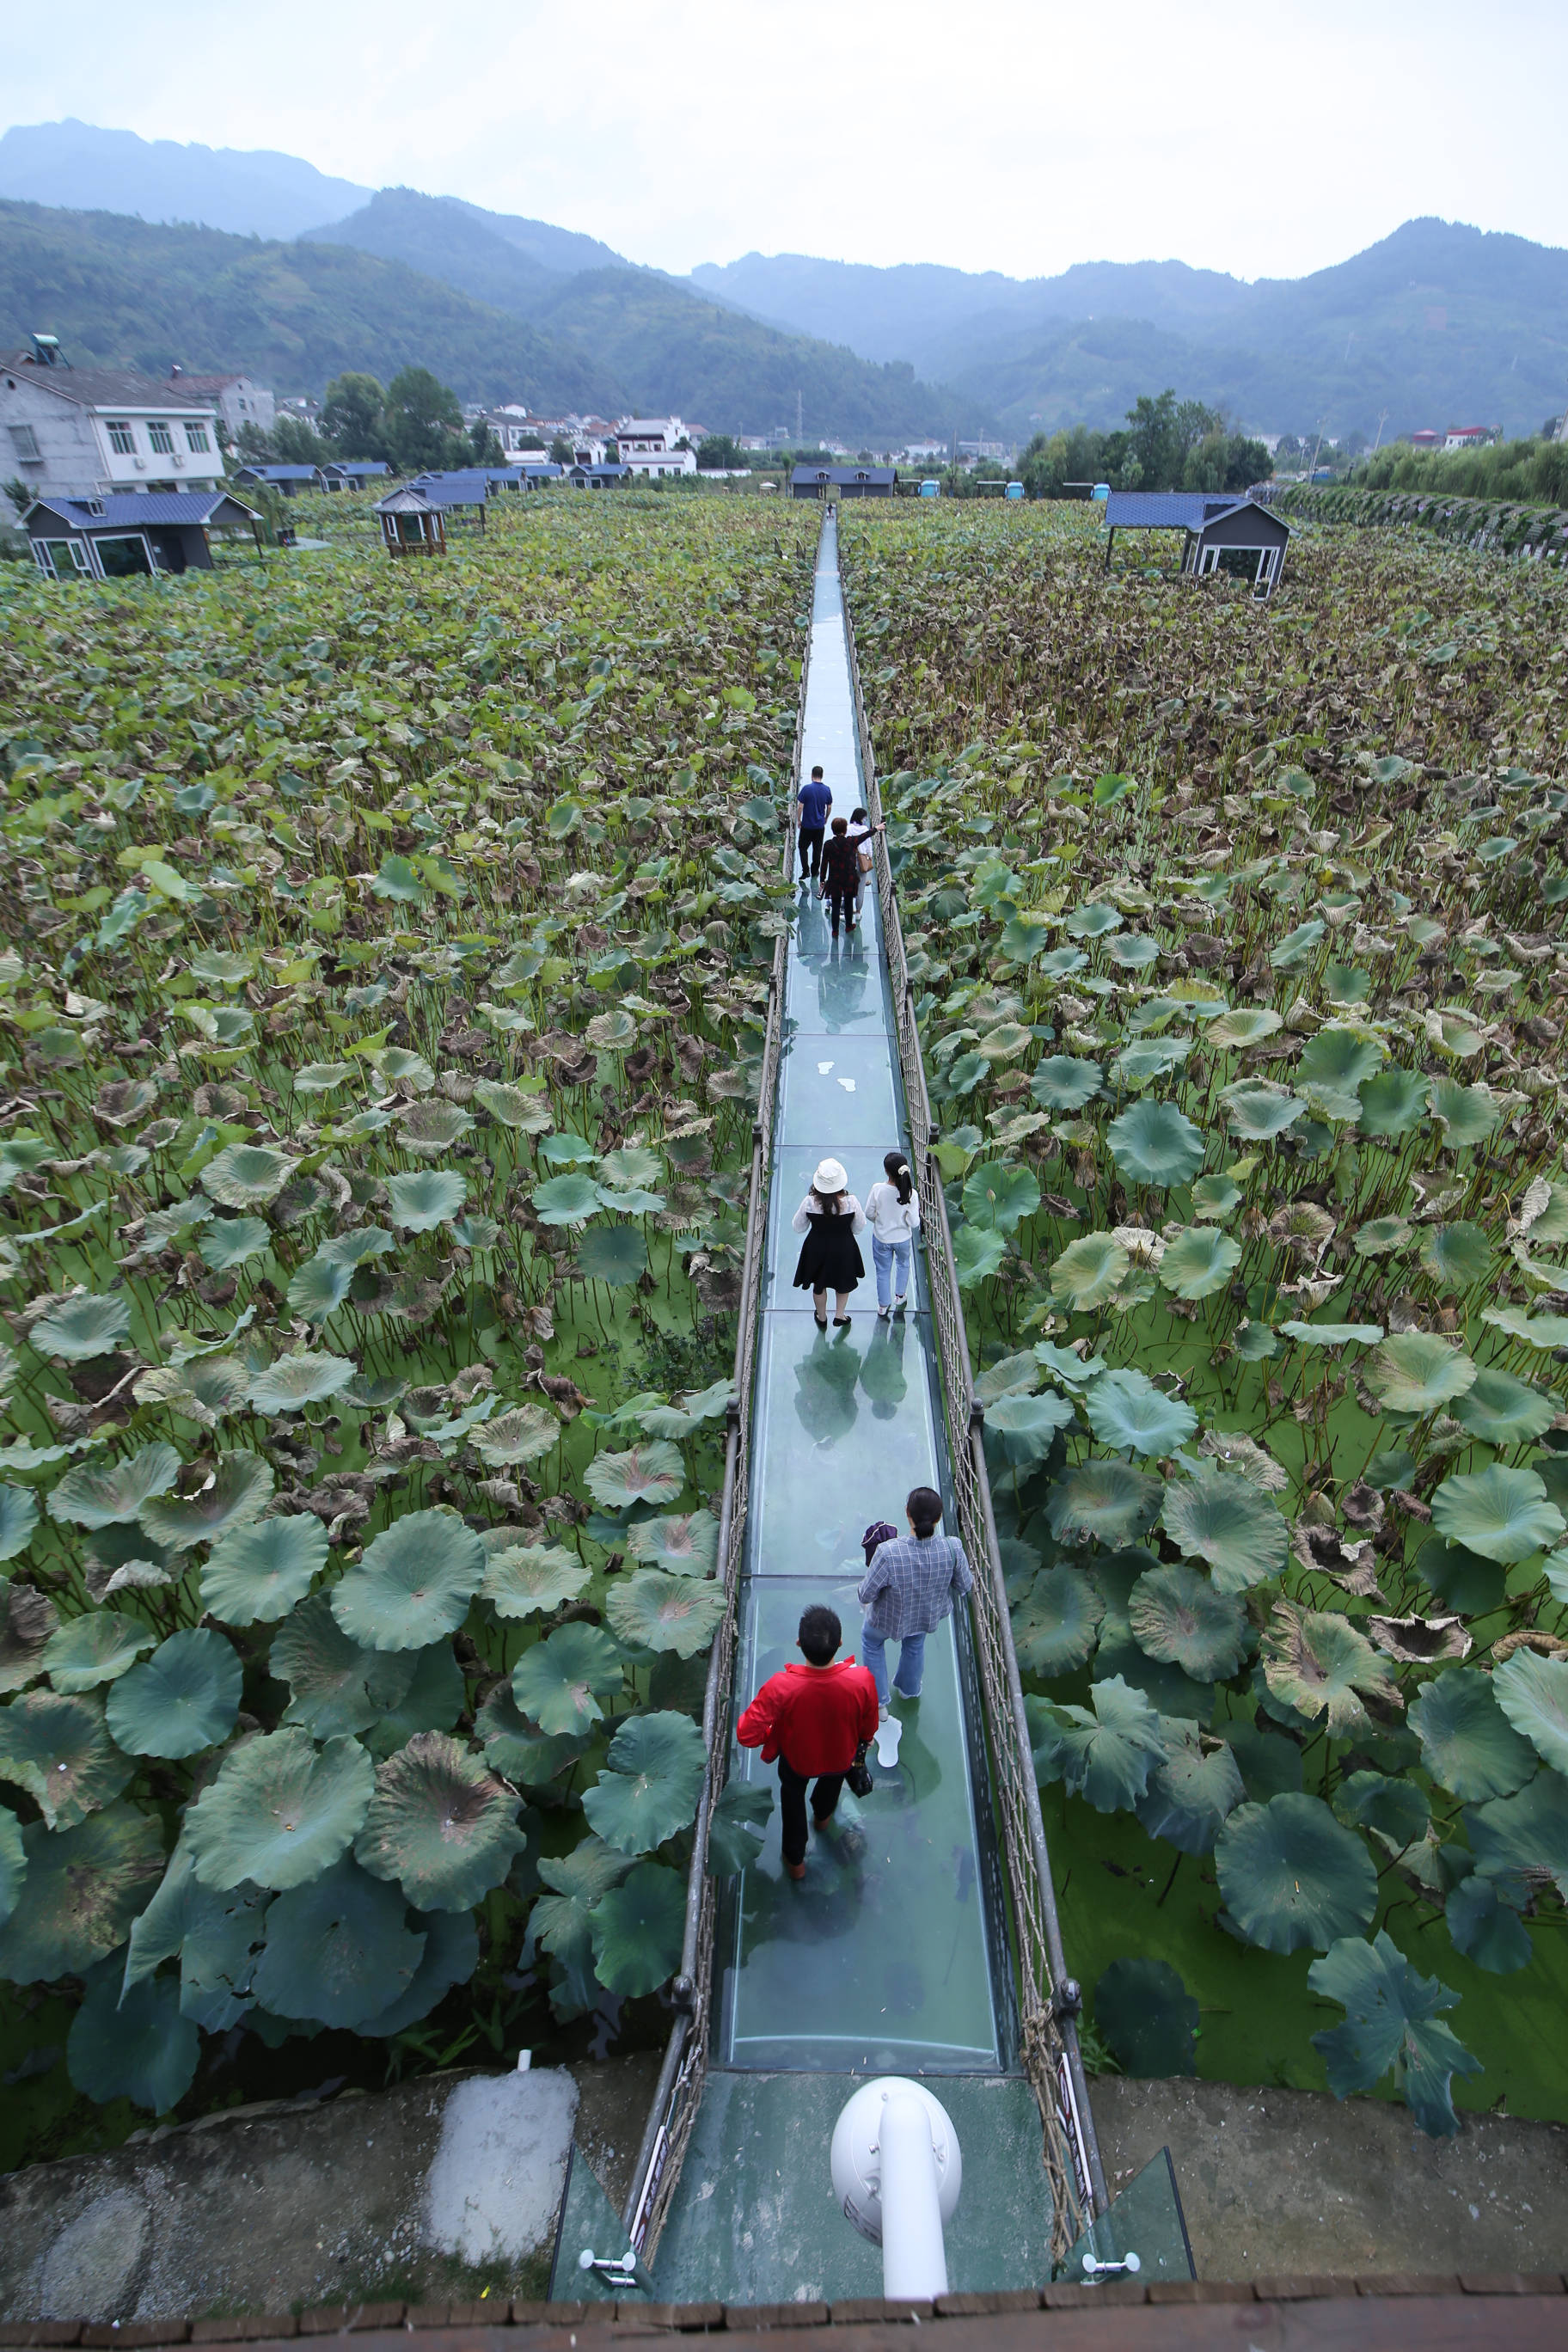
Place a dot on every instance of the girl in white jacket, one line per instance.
(893, 1214)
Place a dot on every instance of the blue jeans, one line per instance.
(911, 1662)
(885, 1257)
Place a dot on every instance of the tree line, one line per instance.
(1169, 444)
(414, 424)
(1534, 472)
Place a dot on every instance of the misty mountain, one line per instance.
(256, 194)
(495, 257)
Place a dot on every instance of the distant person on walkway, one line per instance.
(830, 1217)
(815, 1719)
(910, 1587)
(814, 800)
(841, 876)
(862, 831)
(893, 1214)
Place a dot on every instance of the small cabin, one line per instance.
(412, 523)
(288, 482)
(1221, 533)
(137, 533)
(842, 481)
(354, 473)
(598, 477)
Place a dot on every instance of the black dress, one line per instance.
(830, 1256)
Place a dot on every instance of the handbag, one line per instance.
(858, 1777)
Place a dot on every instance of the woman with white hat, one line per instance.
(830, 1217)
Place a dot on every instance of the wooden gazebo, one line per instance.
(411, 523)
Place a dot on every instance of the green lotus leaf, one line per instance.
(736, 1827)
(1502, 1411)
(1147, 2018)
(397, 880)
(1256, 1110)
(516, 1748)
(1391, 2022)
(428, 1198)
(1054, 1632)
(132, 2045)
(279, 1811)
(976, 1255)
(965, 1074)
(1247, 1024)
(18, 1518)
(183, 1699)
(1015, 1375)
(1317, 1662)
(246, 1175)
(654, 1611)
(1461, 1579)
(337, 1687)
(1022, 937)
(515, 1437)
(430, 1695)
(1521, 1841)
(1535, 1330)
(1467, 1744)
(451, 1955)
(337, 1950)
(1332, 1335)
(1022, 1429)
(521, 1580)
(1138, 1065)
(616, 1254)
(1179, 1618)
(997, 1196)
(13, 1864)
(1296, 946)
(83, 1887)
(1395, 1810)
(429, 1129)
(1394, 1102)
(633, 1168)
(1105, 1756)
(569, 1200)
(1415, 1371)
(1215, 1199)
(59, 1748)
(1134, 952)
(650, 1786)
(1335, 1064)
(315, 1291)
(647, 1474)
(1193, 1794)
(356, 1247)
(1061, 1082)
(1227, 1521)
(1089, 1270)
(1456, 1256)
(1094, 921)
(1466, 1113)
(558, 1683)
(686, 1543)
(1154, 1143)
(1108, 1500)
(567, 1151)
(96, 1647)
(562, 1918)
(215, 1937)
(1504, 1515)
(256, 1574)
(1291, 1876)
(227, 1242)
(1126, 1410)
(240, 1490)
(102, 1495)
(1532, 1692)
(1379, 1235)
(1062, 962)
(80, 1328)
(638, 1929)
(1198, 1261)
(1485, 1929)
(412, 1584)
(322, 1077)
(440, 1824)
(292, 1382)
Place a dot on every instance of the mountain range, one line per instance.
(1435, 324)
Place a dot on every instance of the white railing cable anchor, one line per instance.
(619, 2270)
(1128, 2266)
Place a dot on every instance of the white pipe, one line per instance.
(914, 2259)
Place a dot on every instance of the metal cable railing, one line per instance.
(678, 2091)
(1049, 1999)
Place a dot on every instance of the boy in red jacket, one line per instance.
(813, 1718)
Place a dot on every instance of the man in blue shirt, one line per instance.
(814, 802)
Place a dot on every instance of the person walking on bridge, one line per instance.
(841, 876)
(815, 1719)
(813, 802)
(830, 1217)
(908, 1590)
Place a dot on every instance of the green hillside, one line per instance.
(121, 291)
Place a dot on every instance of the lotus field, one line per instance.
(1242, 986)
(383, 997)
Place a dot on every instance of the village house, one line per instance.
(653, 446)
(69, 431)
(239, 399)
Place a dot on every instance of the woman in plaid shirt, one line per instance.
(910, 1586)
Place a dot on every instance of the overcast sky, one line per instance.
(1267, 141)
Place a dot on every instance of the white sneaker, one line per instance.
(883, 1313)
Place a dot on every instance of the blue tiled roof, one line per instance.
(143, 508)
(1168, 509)
(281, 473)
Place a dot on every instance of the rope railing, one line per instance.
(1049, 1999)
(679, 2090)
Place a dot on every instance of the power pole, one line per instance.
(1382, 421)
(799, 425)
(1318, 451)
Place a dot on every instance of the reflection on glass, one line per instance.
(882, 1373)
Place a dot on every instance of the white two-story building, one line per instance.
(84, 433)
(648, 445)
